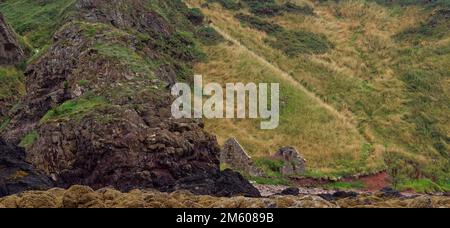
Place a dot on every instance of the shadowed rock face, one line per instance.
(16, 175)
(116, 130)
(10, 51)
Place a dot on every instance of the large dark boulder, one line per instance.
(16, 175)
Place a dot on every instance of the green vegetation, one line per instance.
(423, 186)
(228, 4)
(387, 67)
(195, 15)
(296, 9)
(74, 109)
(209, 36)
(259, 24)
(293, 43)
(29, 139)
(345, 185)
(270, 166)
(436, 27)
(263, 7)
(11, 83)
(125, 56)
(35, 20)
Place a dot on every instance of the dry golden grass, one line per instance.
(329, 144)
(358, 78)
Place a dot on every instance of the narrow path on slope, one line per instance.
(285, 76)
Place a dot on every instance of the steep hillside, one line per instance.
(84, 90)
(383, 65)
(97, 105)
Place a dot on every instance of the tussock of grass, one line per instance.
(74, 109)
(29, 139)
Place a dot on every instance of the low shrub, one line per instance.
(296, 9)
(228, 4)
(257, 23)
(264, 7)
(209, 36)
(293, 43)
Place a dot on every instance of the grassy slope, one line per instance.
(367, 74)
(330, 145)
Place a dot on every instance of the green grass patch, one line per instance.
(35, 20)
(74, 109)
(345, 185)
(263, 7)
(259, 24)
(423, 186)
(209, 36)
(270, 166)
(125, 56)
(293, 43)
(29, 139)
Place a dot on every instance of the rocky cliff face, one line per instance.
(10, 51)
(97, 111)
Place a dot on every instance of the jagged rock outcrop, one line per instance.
(234, 155)
(294, 164)
(100, 116)
(16, 175)
(10, 50)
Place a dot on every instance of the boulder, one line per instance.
(294, 164)
(290, 192)
(234, 155)
(16, 175)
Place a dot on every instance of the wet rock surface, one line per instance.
(16, 175)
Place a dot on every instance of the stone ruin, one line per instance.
(10, 51)
(234, 155)
(294, 163)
